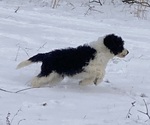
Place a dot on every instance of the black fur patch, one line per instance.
(114, 43)
(68, 61)
(37, 58)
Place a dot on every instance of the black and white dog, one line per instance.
(86, 63)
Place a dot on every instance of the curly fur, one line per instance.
(86, 62)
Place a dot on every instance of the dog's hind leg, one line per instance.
(41, 80)
(51, 79)
(56, 79)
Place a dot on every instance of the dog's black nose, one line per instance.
(127, 52)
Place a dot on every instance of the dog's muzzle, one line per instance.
(123, 53)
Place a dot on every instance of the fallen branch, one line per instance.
(42, 46)
(129, 111)
(147, 112)
(91, 8)
(17, 53)
(15, 91)
(21, 48)
(23, 90)
(7, 119)
(54, 3)
(70, 4)
(24, 49)
(6, 91)
(21, 121)
(17, 9)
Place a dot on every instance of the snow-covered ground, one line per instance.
(121, 99)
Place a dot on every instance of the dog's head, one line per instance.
(116, 45)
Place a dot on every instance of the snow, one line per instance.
(34, 29)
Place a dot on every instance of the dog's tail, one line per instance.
(37, 58)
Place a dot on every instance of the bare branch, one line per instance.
(22, 90)
(10, 122)
(129, 111)
(147, 112)
(94, 1)
(91, 8)
(25, 51)
(54, 3)
(15, 115)
(6, 90)
(15, 91)
(146, 4)
(7, 119)
(17, 9)
(42, 46)
(21, 121)
(17, 53)
(22, 48)
(70, 4)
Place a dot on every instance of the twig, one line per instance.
(25, 51)
(97, 10)
(129, 111)
(73, 7)
(96, 2)
(42, 46)
(147, 112)
(146, 4)
(15, 116)
(91, 8)
(21, 121)
(6, 91)
(23, 90)
(9, 122)
(7, 119)
(55, 3)
(84, 117)
(15, 91)
(17, 9)
(17, 53)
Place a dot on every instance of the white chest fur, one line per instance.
(97, 66)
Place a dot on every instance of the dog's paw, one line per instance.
(81, 83)
(86, 81)
(96, 81)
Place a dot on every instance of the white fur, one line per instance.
(123, 54)
(23, 64)
(41, 81)
(93, 72)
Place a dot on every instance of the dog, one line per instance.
(86, 62)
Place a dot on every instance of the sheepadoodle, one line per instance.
(86, 63)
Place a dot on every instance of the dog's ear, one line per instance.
(114, 43)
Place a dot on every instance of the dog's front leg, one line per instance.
(99, 78)
(86, 81)
(98, 81)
